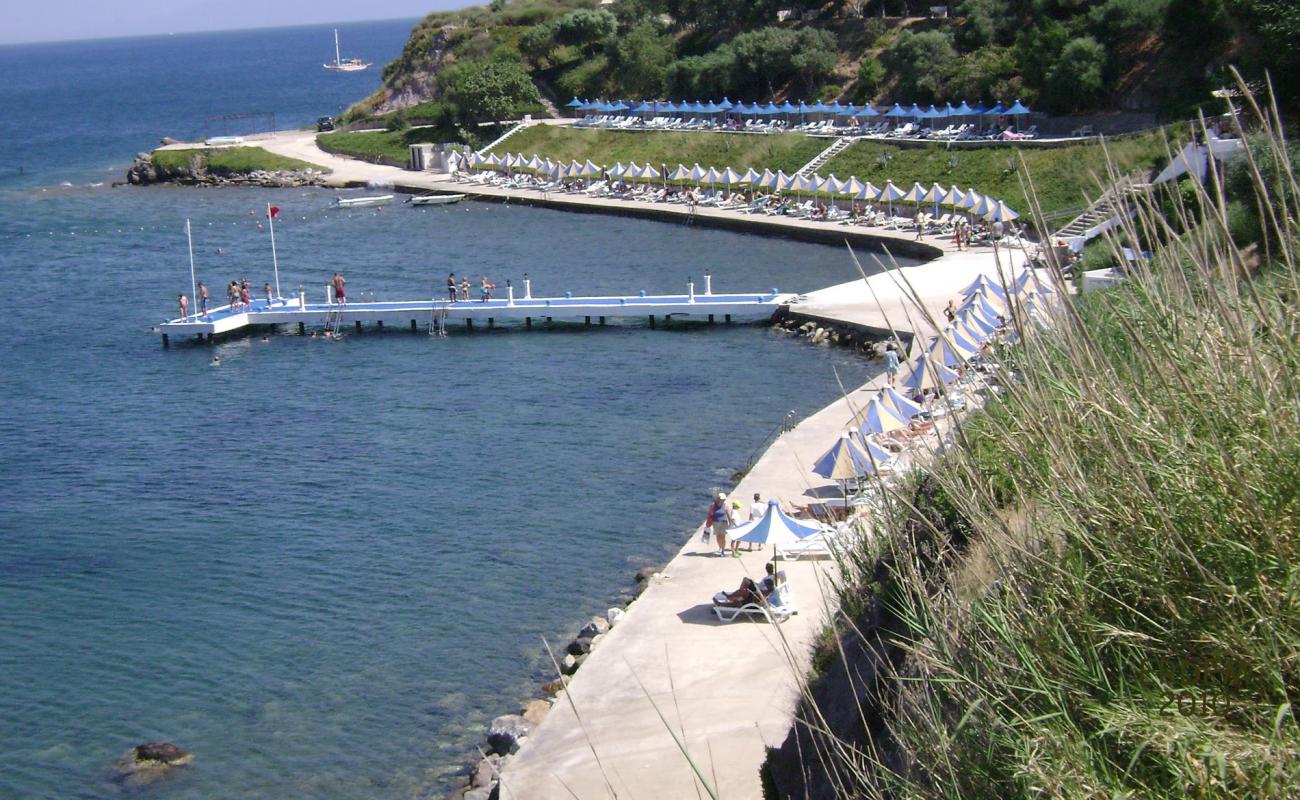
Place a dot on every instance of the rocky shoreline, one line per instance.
(507, 732)
(144, 171)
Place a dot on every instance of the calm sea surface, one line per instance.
(322, 567)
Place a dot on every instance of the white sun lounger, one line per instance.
(770, 613)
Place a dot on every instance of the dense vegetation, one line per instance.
(230, 161)
(504, 59)
(379, 147)
(1098, 594)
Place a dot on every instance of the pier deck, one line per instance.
(422, 313)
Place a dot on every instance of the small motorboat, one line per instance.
(436, 199)
(361, 202)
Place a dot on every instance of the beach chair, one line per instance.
(777, 612)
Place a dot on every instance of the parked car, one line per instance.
(325, 124)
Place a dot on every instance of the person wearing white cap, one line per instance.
(719, 518)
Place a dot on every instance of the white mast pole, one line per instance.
(194, 292)
(275, 262)
(337, 58)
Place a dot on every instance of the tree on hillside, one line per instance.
(585, 27)
(1076, 81)
(917, 60)
(986, 22)
(643, 56)
(487, 90)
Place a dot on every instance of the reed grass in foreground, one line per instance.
(1098, 594)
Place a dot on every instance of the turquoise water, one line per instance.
(322, 567)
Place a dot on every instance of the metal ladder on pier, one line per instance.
(438, 321)
(334, 319)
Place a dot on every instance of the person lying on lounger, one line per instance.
(759, 593)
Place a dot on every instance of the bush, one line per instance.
(585, 27)
(643, 56)
(871, 74)
(1076, 79)
(986, 22)
(487, 90)
(917, 60)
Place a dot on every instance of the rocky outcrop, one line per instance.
(413, 78)
(146, 763)
(507, 732)
(145, 171)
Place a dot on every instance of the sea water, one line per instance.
(323, 566)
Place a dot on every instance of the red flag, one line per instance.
(274, 212)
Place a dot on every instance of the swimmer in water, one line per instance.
(266, 338)
(216, 361)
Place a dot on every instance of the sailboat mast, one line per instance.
(337, 59)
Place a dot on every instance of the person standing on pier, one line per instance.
(451, 287)
(203, 299)
(267, 289)
(464, 288)
(245, 298)
(184, 303)
(484, 290)
(340, 294)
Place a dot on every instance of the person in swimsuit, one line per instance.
(184, 303)
(464, 289)
(451, 287)
(203, 298)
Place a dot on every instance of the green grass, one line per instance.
(380, 147)
(786, 151)
(1097, 593)
(1062, 176)
(233, 160)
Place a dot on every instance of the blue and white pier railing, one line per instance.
(441, 314)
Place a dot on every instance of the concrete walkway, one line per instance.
(671, 690)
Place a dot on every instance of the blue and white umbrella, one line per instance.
(774, 528)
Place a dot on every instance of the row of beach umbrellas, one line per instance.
(981, 315)
(897, 111)
(971, 201)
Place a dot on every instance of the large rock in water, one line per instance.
(506, 732)
(148, 762)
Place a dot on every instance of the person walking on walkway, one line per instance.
(451, 287)
(891, 362)
(718, 520)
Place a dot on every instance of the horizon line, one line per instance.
(170, 34)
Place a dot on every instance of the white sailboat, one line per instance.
(339, 65)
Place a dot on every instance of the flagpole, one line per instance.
(275, 262)
(194, 292)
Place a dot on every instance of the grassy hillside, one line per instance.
(379, 147)
(1062, 176)
(785, 151)
(1096, 593)
(231, 160)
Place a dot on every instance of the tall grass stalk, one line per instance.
(1098, 592)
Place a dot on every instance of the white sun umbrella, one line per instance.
(787, 183)
(834, 185)
(926, 373)
(898, 404)
(989, 301)
(982, 207)
(971, 200)
(1000, 212)
(649, 172)
(768, 180)
(774, 528)
(953, 198)
(934, 195)
(960, 340)
(712, 176)
(618, 170)
(592, 170)
(494, 160)
(730, 177)
(475, 159)
(844, 462)
(915, 195)
(889, 194)
(508, 161)
(575, 168)
(971, 333)
(869, 192)
(813, 184)
(1029, 283)
(680, 174)
(983, 282)
(698, 173)
(877, 417)
(634, 171)
(853, 186)
(977, 306)
(750, 176)
(977, 323)
(875, 452)
(947, 352)
(535, 163)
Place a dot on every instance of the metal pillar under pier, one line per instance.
(413, 327)
(528, 323)
(587, 322)
(492, 323)
(358, 326)
(602, 320)
(379, 323)
(652, 322)
(166, 342)
(710, 319)
(469, 325)
(728, 318)
(302, 328)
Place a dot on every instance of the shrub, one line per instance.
(1076, 79)
(916, 59)
(585, 27)
(871, 74)
(487, 90)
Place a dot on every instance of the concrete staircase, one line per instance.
(838, 146)
(1107, 210)
(487, 148)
